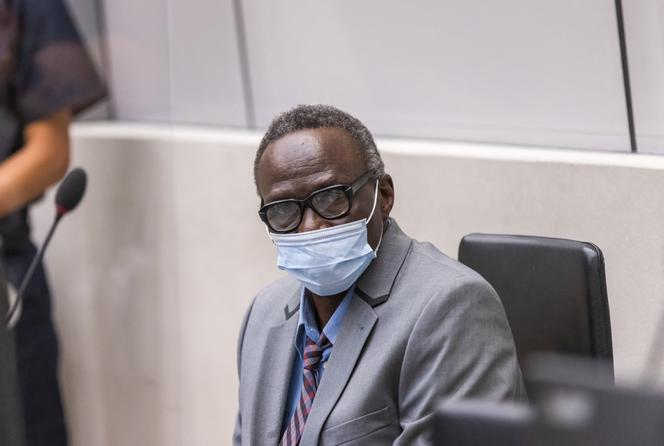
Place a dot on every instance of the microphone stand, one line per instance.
(31, 270)
(69, 194)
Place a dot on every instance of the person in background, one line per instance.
(46, 78)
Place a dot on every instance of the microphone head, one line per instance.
(71, 190)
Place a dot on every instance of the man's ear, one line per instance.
(386, 190)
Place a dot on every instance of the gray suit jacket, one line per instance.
(421, 327)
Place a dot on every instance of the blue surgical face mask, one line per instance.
(327, 261)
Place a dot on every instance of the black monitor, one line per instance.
(572, 404)
(11, 424)
(478, 423)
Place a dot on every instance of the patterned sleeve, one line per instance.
(54, 69)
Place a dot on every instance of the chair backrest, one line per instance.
(553, 291)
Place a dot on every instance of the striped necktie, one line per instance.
(313, 352)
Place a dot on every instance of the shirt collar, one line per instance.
(307, 320)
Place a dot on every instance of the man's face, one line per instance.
(305, 161)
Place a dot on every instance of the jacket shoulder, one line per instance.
(270, 302)
(438, 267)
(427, 274)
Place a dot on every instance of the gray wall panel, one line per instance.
(206, 81)
(175, 60)
(138, 44)
(644, 31)
(517, 71)
(85, 14)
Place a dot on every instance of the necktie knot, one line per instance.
(313, 352)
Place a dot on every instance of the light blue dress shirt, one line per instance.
(307, 327)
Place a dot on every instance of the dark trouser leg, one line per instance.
(37, 356)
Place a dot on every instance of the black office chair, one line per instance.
(553, 291)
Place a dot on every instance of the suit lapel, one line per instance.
(356, 328)
(274, 378)
(372, 289)
(376, 283)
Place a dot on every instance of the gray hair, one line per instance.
(317, 116)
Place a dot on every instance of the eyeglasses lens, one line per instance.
(283, 216)
(286, 216)
(330, 203)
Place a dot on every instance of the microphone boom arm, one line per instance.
(33, 266)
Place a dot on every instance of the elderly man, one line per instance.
(371, 329)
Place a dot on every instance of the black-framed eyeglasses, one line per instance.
(331, 202)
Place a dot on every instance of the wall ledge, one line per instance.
(398, 146)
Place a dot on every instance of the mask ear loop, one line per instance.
(375, 202)
(380, 240)
(269, 234)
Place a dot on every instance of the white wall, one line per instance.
(516, 71)
(152, 274)
(175, 60)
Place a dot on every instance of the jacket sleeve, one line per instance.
(237, 433)
(460, 347)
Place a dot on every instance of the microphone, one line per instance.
(68, 196)
(70, 192)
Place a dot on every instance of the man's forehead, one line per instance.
(328, 142)
(312, 149)
(313, 157)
